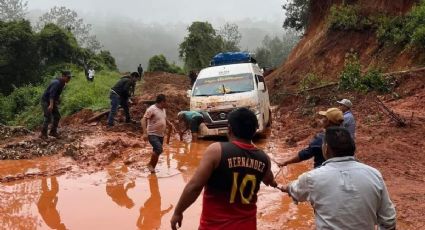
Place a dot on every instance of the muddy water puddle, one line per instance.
(128, 197)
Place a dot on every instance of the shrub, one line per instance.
(374, 80)
(351, 77)
(311, 80)
(344, 17)
(392, 30)
(160, 63)
(351, 73)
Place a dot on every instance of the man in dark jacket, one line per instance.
(140, 70)
(120, 95)
(330, 118)
(50, 102)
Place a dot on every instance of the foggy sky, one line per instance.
(170, 11)
(135, 30)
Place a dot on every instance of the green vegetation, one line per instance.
(22, 106)
(347, 17)
(404, 30)
(311, 80)
(351, 77)
(397, 30)
(201, 44)
(160, 63)
(30, 59)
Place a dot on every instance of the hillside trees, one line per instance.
(297, 14)
(68, 19)
(231, 37)
(200, 45)
(11, 10)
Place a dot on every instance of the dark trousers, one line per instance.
(116, 101)
(49, 116)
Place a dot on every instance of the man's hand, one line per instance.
(50, 108)
(285, 163)
(176, 220)
(284, 188)
(145, 137)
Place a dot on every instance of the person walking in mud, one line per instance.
(190, 120)
(329, 118)
(50, 104)
(151, 213)
(231, 174)
(120, 95)
(344, 193)
(154, 124)
(349, 121)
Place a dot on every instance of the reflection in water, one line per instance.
(47, 204)
(151, 214)
(116, 188)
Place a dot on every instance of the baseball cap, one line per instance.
(334, 115)
(346, 102)
(67, 73)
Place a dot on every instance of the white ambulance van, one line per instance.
(233, 81)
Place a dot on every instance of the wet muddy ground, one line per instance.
(96, 178)
(123, 195)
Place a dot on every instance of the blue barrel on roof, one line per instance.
(232, 58)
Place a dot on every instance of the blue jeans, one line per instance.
(116, 101)
(156, 143)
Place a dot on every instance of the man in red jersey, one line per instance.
(231, 173)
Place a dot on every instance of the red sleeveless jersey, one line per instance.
(230, 196)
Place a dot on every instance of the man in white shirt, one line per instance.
(91, 74)
(154, 124)
(345, 194)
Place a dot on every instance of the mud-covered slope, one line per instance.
(322, 51)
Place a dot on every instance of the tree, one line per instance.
(231, 37)
(57, 45)
(11, 10)
(69, 20)
(19, 60)
(297, 14)
(201, 44)
(160, 63)
(274, 50)
(107, 58)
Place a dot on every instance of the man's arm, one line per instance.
(386, 212)
(145, 128)
(307, 153)
(171, 125)
(293, 160)
(299, 189)
(53, 92)
(209, 162)
(269, 179)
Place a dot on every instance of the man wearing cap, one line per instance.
(120, 95)
(49, 103)
(349, 121)
(345, 194)
(191, 120)
(330, 118)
